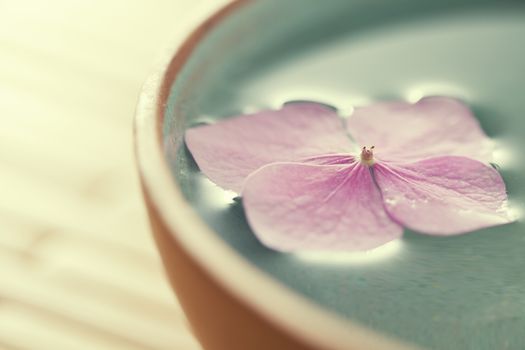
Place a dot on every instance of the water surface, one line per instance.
(464, 292)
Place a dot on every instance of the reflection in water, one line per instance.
(249, 109)
(215, 197)
(516, 210)
(378, 254)
(417, 92)
(344, 102)
(503, 155)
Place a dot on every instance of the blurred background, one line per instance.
(78, 268)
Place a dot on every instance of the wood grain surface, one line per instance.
(78, 268)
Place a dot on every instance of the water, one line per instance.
(464, 292)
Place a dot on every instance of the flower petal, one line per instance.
(227, 152)
(434, 126)
(294, 207)
(443, 195)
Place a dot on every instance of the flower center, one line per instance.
(367, 156)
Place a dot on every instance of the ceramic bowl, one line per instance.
(463, 292)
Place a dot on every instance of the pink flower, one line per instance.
(307, 186)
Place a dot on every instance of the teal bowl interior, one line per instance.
(463, 292)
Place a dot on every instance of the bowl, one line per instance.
(462, 292)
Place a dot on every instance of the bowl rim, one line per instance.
(324, 328)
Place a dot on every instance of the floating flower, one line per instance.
(306, 185)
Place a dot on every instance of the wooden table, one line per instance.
(78, 269)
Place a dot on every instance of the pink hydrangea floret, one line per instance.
(311, 180)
